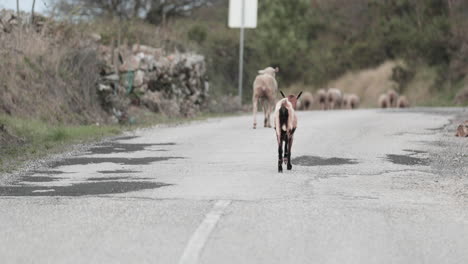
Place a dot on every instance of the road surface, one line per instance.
(367, 186)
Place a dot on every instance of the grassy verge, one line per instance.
(33, 139)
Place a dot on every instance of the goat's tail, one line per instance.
(283, 118)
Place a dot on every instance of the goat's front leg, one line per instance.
(289, 166)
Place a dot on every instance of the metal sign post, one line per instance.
(242, 14)
(241, 50)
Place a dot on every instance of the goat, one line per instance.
(334, 98)
(285, 126)
(306, 102)
(402, 102)
(462, 130)
(264, 88)
(322, 98)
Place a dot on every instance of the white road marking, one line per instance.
(198, 240)
(43, 191)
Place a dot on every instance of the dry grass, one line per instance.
(367, 84)
(419, 88)
(370, 83)
(49, 77)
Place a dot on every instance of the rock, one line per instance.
(146, 50)
(462, 130)
(152, 100)
(104, 88)
(7, 17)
(131, 63)
(171, 107)
(138, 80)
(112, 77)
(95, 37)
(114, 120)
(142, 89)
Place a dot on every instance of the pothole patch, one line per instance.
(81, 189)
(320, 161)
(407, 160)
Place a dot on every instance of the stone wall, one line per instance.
(174, 84)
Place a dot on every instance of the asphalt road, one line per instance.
(367, 186)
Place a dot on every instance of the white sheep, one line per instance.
(351, 101)
(334, 98)
(383, 101)
(402, 102)
(322, 98)
(264, 88)
(392, 97)
(306, 102)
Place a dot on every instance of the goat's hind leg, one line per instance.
(280, 153)
(286, 149)
(265, 112)
(268, 113)
(289, 166)
(254, 102)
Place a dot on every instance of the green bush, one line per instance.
(197, 33)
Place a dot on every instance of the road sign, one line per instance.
(242, 14)
(245, 10)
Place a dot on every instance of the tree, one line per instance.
(32, 11)
(161, 10)
(155, 11)
(283, 34)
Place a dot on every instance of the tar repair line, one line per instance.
(197, 241)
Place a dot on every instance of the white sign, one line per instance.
(250, 13)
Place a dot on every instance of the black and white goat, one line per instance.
(285, 126)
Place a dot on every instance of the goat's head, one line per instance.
(269, 70)
(292, 98)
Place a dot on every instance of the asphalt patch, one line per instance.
(125, 138)
(407, 160)
(436, 128)
(80, 189)
(107, 178)
(117, 171)
(414, 152)
(122, 161)
(115, 147)
(319, 161)
(47, 172)
(39, 179)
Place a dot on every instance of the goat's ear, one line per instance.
(282, 94)
(277, 69)
(299, 95)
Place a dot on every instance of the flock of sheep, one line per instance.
(333, 98)
(265, 88)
